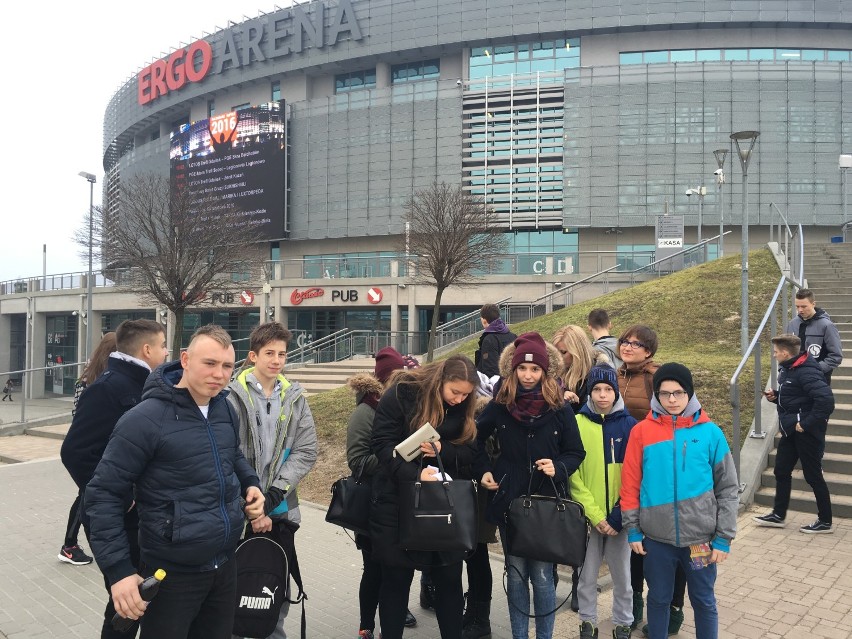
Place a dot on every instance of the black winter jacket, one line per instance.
(101, 405)
(803, 396)
(189, 475)
(554, 436)
(391, 425)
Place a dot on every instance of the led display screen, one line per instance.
(236, 163)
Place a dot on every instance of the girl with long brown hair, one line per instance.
(442, 394)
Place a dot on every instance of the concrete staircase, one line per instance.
(316, 378)
(828, 269)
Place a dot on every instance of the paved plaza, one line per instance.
(777, 583)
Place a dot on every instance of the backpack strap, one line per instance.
(286, 535)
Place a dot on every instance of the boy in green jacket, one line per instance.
(605, 428)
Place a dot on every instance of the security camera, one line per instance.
(688, 192)
(718, 172)
(74, 313)
(163, 313)
(458, 83)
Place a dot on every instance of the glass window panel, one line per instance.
(504, 54)
(761, 54)
(542, 49)
(630, 58)
(813, 54)
(683, 56)
(736, 54)
(655, 57)
(506, 68)
(708, 55)
(838, 56)
(788, 54)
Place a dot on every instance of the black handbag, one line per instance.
(547, 528)
(438, 515)
(350, 502)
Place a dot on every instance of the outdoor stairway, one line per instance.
(316, 378)
(828, 269)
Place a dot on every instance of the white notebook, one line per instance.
(410, 448)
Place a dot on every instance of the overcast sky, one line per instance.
(64, 61)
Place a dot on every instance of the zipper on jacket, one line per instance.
(674, 469)
(221, 477)
(606, 472)
(683, 465)
(449, 517)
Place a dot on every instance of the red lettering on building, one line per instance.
(297, 296)
(184, 65)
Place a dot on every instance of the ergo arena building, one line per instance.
(579, 124)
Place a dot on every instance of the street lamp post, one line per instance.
(720, 155)
(701, 191)
(745, 141)
(91, 180)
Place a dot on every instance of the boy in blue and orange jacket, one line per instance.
(679, 499)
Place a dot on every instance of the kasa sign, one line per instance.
(270, 37)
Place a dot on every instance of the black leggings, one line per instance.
(479, 579)
(637, 579)
(448, 598)
(371, 583)
(73, 528)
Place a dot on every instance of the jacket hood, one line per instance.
(648, 366)
(692, 412)
(802, 360)
(365, 384)
(239, 386)
(497, 326)
(589, 410)
(553, 356)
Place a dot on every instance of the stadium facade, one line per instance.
(579, 123)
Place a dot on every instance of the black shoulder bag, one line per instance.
(438, 515)
(547, 528)
(350, 502)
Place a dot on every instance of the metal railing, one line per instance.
(26, 382)
(520, 312)
(455, 330)
(784, 295)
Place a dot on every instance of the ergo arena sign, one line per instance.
(276, 35)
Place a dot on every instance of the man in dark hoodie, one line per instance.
(179, 452)
(817, 333)
(493, 340)
(140, 346)
(805, 402)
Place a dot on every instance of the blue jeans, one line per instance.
(660, 563)
(521, 573)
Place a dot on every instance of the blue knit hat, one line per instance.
(603, 374)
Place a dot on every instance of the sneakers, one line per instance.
(74, 555)
(817, 528)
(770, 521)
(621, 632)
(368, 634)
(588, 631)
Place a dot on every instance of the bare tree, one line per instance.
(172, 247)
(454, 235)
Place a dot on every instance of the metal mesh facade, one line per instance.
(633, 136)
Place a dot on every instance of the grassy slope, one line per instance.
(695, 314)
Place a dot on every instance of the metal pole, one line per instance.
(700, 220)
(744, 268)
(89, 276)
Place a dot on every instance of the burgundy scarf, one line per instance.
(529, 405)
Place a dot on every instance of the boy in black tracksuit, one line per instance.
(805, 402)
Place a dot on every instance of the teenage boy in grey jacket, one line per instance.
(277, 434)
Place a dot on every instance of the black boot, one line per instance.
(480, 627)
(468, 616)
(575, 579)
(427, 596)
